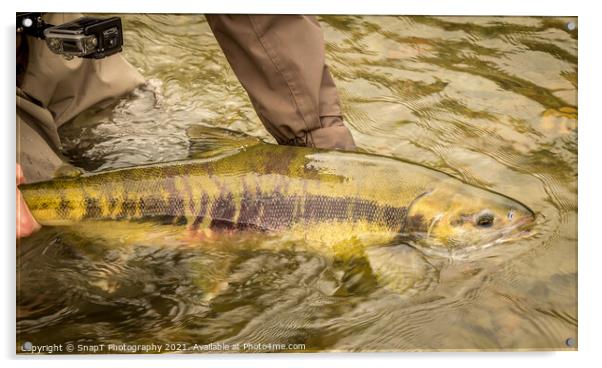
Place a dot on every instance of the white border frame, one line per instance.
(590, 133)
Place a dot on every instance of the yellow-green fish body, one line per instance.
(324, 196)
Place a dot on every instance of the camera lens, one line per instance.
(90, 44)
(54, 44)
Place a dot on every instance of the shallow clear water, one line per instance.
(490, 100)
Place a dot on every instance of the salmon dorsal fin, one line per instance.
(68, 171)
(209, 141)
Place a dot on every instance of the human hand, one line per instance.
(26, 224)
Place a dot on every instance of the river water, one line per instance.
(490, 100)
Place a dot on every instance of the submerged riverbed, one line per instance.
(490, 100)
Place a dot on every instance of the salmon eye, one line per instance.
(484, 220)
(510, 214)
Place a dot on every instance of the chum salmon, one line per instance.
(322, 196)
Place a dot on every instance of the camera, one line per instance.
(86, 37)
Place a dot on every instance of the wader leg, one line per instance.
(279, 60)
(53, 90)
(38, 161)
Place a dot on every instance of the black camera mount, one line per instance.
(85, 37)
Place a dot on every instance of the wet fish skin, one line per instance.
(328, 196)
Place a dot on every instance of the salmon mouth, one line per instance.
(525, 224)
(521, 229)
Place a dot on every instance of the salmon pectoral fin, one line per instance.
(402, 269)
(211, 274)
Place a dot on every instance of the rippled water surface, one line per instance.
(490, 100)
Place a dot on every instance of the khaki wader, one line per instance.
(279, 60)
